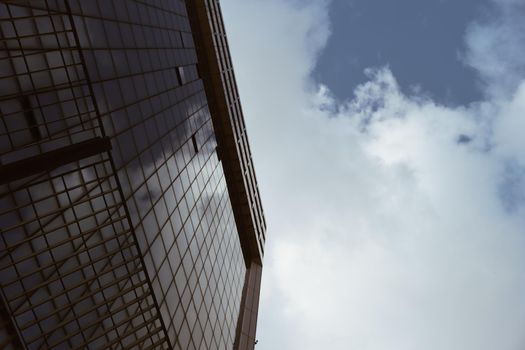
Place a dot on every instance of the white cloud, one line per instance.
(495, 47)
(394, 222)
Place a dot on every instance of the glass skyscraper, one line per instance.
(130, 215)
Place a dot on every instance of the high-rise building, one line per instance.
(130, 215)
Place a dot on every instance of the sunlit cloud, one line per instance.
(394, 222)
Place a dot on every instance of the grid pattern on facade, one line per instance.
(70, 271)
(45, 101)
(221, 89)
(154, 107)
(80, 242)
(191, 246)
(236, 118)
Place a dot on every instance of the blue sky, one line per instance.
(422, 41)
(396, 213)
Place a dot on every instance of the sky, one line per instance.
(367, 33)
(394, 187)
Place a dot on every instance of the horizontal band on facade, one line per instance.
(53, 159)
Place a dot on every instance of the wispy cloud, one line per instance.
(495, 47)
(394, 222)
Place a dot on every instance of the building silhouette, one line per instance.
(130, 215)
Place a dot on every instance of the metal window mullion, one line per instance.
(64, 241)
(43, 90)
(215, 215)
(144, 338)
(4, 298)
(49, 69)
(15, 267)
(126, 321)
(87, 281)
(158, 8)
(134, 330)
(29, 36)
(35, 181)
(43, 284)
(15, 74)
(68, 12)
(116, 229)
(35, 50)
(78, 268)
(71, 238)
(81, 329)
(58, 265)
(149, 97)
(61, 210)
(29, 72)
(107, 302)
(91, 121)
(61, 261)
(54, 136)
(27, 6)
(116, 325)
(95, 182)
(114, 170)
(186, 191)
(85, 296)
(154, 345)
(124, 258)
(46, 105)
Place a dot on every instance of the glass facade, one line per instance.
(224, 101)
(123, 221)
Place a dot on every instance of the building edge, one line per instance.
(216, 71)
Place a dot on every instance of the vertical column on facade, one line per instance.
(247, 325)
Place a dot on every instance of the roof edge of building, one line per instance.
(216, 71)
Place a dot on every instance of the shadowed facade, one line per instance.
(129, 210)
